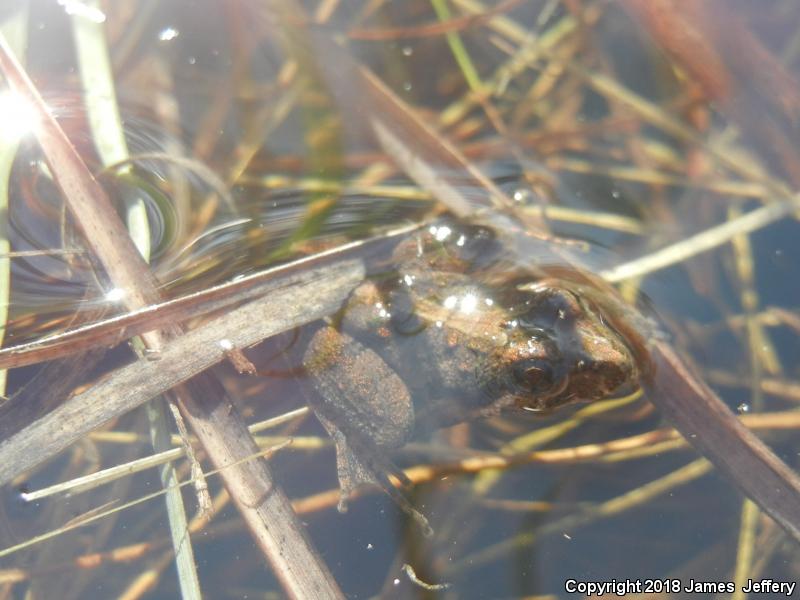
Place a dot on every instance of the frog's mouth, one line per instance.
(546, 404)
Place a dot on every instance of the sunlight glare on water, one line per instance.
(17, 118)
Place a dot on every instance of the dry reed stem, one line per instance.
(213, 417)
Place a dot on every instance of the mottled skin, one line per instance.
(458, 332)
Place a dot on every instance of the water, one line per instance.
(239, 167)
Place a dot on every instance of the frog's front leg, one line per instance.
(365, 407)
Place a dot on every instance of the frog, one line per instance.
(455, 331)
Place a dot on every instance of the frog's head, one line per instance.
(561, 349)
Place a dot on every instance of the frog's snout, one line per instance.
(605, 367)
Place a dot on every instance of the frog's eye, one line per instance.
(536, 377)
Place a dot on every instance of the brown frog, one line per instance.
(457, 331)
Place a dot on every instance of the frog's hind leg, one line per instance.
(359, 466)
(365, 407)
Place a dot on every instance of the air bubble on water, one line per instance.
(168, 34)
(407, 51)
(521, 195)
(743, 408)
(407, 86)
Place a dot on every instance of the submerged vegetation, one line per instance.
(189, 188)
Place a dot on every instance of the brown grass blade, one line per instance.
(443, 171)
(715, 432)
(214, 418)
(423, 153)
(115, 329)
(290, 303)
